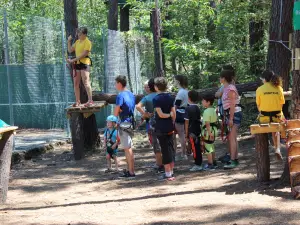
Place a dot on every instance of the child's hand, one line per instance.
(114, 146)
(70, 38)
(211, 136)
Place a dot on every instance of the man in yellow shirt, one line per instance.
(82, 48)
(269, 100)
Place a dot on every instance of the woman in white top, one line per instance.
(181, 102)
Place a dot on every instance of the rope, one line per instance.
(280, 29)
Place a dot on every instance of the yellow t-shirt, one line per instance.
(269, 98)
(80, 46)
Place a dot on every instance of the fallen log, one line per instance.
(111, 98)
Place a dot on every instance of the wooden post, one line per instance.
(76, 123)
(6, 147)
(262, 157)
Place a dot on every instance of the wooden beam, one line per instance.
(111, 98)
(250, 97)
(268, 128)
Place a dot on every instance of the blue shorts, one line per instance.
(111, 152)
(237, 118)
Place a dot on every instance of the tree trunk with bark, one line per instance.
(154, 23)
(279, 56)
(80, 125)
(6, 147)
(296, 79)
(124, 18)
(256, 39)
(111, 98)
(262, 157)
(112, 19)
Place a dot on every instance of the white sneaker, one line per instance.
(185, 157)
(278, 154)
(196, 168)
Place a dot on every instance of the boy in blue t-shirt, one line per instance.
(111, 141)
(125, 104)
(165, 116)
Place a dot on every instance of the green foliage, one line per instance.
(198, 36)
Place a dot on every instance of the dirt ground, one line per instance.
(56, 190)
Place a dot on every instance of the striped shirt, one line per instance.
(227, 102)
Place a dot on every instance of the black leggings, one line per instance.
(167, 148)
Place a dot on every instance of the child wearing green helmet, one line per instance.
(111, 141)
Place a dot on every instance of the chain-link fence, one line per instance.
(35, 82)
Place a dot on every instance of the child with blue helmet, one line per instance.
(111, 141)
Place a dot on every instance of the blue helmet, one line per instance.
(112, 118)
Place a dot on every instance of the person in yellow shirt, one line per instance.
(82, 48)
(269, 100)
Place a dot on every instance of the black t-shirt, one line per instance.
(192, 114)
(166, 103)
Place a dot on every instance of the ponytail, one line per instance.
(276, 80)
(271, 77)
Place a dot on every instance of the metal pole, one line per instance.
(7, 62)
(105, 85)
(64, 64)
(157, 12)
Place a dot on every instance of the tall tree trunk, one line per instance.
(211, 36)
(279, 56)
(296, 78)
(154, 23)
(85, 129)
(112, 19)
(124, 18)
(256, 39)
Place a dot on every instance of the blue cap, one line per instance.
(112, 118)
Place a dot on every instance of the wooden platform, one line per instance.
(250, 97)
(7, 129)
(86, 111)
(268, 128)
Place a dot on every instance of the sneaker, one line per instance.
(127, 175)
(164, 177)
(225, 158)
(184, 157)
(76, 104)
(89, 104)
(278, 155)
(215, 164)
(108, 170)
(231, 164)
(196, 168)
(160, 169)
(209, 167)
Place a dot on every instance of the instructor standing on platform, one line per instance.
(82, 48)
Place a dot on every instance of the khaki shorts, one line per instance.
(125, 139)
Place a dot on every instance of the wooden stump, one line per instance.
(6, 147)
(76, 124)
(262, 157)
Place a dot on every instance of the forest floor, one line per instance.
(54, 189)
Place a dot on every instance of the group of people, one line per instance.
(167, 117)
